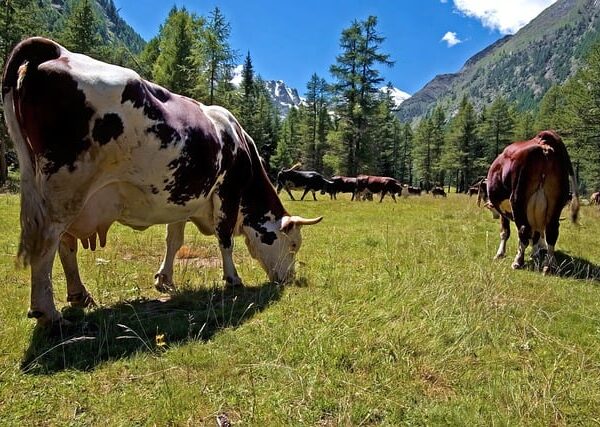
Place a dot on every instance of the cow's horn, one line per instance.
(288, 221)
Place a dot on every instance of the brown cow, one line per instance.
(438, 191)
(595, 198)
(529, 184)
(378, 184)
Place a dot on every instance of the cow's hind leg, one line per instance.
(77, 294)
(164, 277)
(42, 305)
(504, 235)
(524, 237)
(551, 238)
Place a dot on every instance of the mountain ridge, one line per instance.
(520, 67)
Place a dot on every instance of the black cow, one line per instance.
(340, 184)
(290, 179)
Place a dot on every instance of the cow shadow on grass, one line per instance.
(143, 325)
(570, 267)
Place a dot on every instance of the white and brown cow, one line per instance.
(98, 144)
(528, 183)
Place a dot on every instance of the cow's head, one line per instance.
(274, 245)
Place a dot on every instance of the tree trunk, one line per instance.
(3, 166)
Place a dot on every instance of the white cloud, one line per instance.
(506, 16)
(451, 38)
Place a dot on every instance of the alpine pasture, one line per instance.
(399, 316)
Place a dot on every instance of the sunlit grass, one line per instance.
(401, 317)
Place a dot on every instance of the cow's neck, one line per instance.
(260, 203)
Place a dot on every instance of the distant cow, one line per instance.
(528, 183)
(290, 179)
(482, 193)
(97, 144)
(409, 190)
(438, 191)
(340, 184)
(378, 184)
(595, 198)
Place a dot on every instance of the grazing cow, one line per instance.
(528, 183)
(595, 198)
(290, 179)
(438, 191)
(482, 193)
(409, 190)
(98, 144)
(377, 184)
(340, 184)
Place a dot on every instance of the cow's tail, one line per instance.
(574, 195)
(19, 70)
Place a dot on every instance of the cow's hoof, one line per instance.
(48, 321)
(547, 269)
(81, 300)
(163, 284)
(499, 256)
(233, 282)
(517, 265)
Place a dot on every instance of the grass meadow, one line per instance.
(400, 317)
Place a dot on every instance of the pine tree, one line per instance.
(550, 110)
(174, 67)
(524, 126)
(315, 123)
(215, 56)
(438, 132)
(405, 173)
(497, 130)
(423, 152)
(465, 145)
(356, 88)
(82, 28)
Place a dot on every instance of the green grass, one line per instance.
(401, 317)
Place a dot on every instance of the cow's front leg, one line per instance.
(306, 190)
(225, 215)
(504, 235)
(290, 193)
(314, 195)
(164, 276)
(42, 305)
(77, 294)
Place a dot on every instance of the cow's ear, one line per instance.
(289, 222)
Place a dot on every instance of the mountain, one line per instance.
(282, 96)
(519, 67)
(112, 26)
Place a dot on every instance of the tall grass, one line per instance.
(400, 317)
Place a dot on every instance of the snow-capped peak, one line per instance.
(398, 95)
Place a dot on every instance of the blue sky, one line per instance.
(290, 40)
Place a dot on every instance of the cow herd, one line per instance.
(97, 144)
(361, 187)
